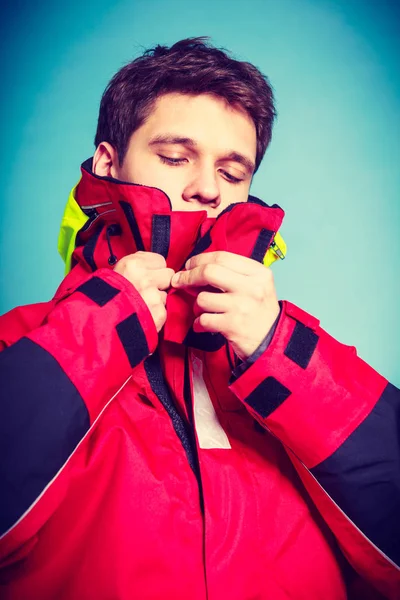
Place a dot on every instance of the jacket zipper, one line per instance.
(277, 250)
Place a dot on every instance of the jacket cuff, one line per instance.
(308, 389)
(97, 335)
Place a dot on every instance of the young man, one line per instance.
(169, 430)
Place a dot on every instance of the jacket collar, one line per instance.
(144, 217)
(123, 218)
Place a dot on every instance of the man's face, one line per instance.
(197, 149)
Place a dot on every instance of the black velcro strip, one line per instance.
(133, 339)
(161, 234)
(98, 290)
(301, 346)
(261, 246)
(363, 475)
(130, 217)
(267, 396)
(42, 419)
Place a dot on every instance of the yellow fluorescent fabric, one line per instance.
(74, 219)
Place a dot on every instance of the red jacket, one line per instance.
(141, 468)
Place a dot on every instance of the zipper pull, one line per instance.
(114, 229)
(277, 250)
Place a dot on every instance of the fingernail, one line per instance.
(175, 278)
(187, 264)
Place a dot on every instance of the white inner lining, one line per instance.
(209, 430)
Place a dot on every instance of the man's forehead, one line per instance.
(201, 120)
(178, 105)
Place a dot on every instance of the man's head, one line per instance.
(189, 120)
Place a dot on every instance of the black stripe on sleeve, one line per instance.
(267, 396)
(98, 290)
(42, 420)
(363, 475)
(133, 339)
(301, 346)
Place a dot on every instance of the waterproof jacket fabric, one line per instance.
(138, 466)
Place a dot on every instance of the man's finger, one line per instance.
(215, 275)
(214, 323)
(235, 262)
(161, 278)
(211, 302)
(151, 260)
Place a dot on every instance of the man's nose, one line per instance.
(203, 187)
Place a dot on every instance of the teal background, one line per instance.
(333, 164)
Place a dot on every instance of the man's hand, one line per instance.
(149, 274)
(247, 307)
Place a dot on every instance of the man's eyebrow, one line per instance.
(246, 162)
(185, 141)
(172, 139)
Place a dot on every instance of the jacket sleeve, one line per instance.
(339, 421)
(55, 383)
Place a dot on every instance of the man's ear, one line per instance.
(105, 161)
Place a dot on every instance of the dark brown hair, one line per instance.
(191, 66)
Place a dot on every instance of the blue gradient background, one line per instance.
(333, 164)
